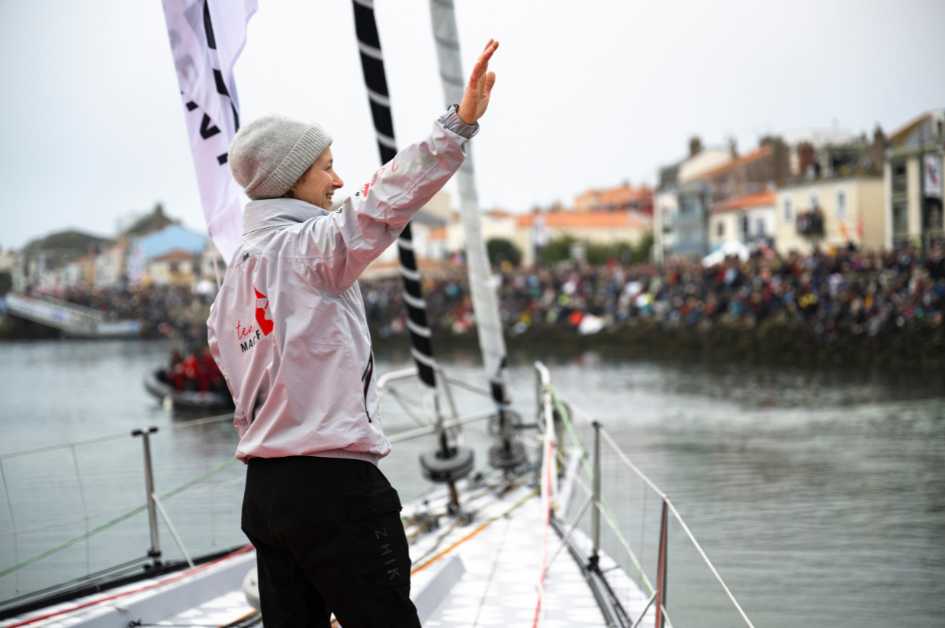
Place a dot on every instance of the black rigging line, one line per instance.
(372, 65)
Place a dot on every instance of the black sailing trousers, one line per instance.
(328, 539)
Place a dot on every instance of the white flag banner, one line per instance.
(933, 176)
(206, 38)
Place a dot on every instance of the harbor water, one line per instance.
(820, 496)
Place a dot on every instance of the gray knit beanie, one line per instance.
(268, 155)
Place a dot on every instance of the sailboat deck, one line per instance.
(501, 553)
(480, 572)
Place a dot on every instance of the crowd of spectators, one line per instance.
(844, 291)
(172, 311)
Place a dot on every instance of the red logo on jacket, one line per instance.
(262, 313)
(249, 335)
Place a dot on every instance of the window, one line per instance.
(841, 205)
(898, 173)
(788, 216)
(760, 227)
(933, 215)
(814, 201)
(720, 228)
(900, 219)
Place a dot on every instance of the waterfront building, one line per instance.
(835, 198)
(76, 274)
(665, 207)
(156, 244)
(830, 212)
(426, 230)
(682, 202)
(174, 268)
(701, 160)
(623, 197)
(690, 224)
(42, 262)
(597, 227)
(700, 202)
(703, 183)
(818, 152)
(913, 181)
(752, 173)
(746, 219)
(111, 265)
(493, 223)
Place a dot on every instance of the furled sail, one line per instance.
(206, 38)
(375, 79)
(481, 281)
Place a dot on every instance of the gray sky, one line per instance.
(588, 93)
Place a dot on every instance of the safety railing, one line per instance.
(618, 496)
(70, 515)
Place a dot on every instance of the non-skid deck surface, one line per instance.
(502, 551)
(125, 605)
(222, 611)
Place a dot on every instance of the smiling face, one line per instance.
(319, 182)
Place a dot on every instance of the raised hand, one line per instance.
(479, 88)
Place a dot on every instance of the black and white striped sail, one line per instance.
(481, 282)
(375, 79)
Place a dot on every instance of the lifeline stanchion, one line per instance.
(155, 552)
(595, 513)
(661, 566)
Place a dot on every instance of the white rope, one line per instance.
(170, 526)
(630, 465)
(708, 562)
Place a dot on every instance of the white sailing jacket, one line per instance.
(288, 327)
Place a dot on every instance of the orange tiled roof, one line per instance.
(619, 196)
(437, 233)
(747, 201)
(585, 220)
(758, 153)
(177, 255)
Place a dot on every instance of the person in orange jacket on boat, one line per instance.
(289, 332)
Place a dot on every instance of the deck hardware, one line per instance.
(594, 559)
(661, 564)
(155, 551)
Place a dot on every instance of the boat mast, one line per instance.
(507, 454)
(449, 463)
